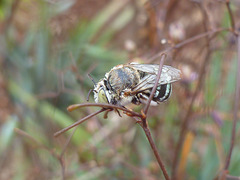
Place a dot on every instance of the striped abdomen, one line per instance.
(163, 92)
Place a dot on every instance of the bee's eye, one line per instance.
(102, 97)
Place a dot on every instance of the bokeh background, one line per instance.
(47, 48)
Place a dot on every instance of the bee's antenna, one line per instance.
(89, 94)
(90, 77)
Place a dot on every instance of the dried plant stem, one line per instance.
(145, 124)
(184, 127)
(155, 151)
(187, 118)
(62, 167)
(231, 16)
(228, 177)
(187, 41)
(42, 146)
(78, 122)
(105, 106)
(67, 142)
(236, 106)
(156, 83)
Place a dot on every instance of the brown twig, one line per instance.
(185, 42)
(67, 142)
(236, 106)
(156, 83)
(155, 151)
(185, 124)
(78, 122)
(28, 136)
(206, 20)
(231, 16)
(42, 146)
(187, 119)
(229, 177)
(145, 124)
(63, 151)
(105, 106)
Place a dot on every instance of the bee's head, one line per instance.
(100, 93)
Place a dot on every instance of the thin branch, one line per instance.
(155, 151)
(199, 36)
(187, 118)
(42, 146)
(28, 136)
(185, 124)
(163, 57)
(62, 167)
(229, 177)
(231, 16)
(63, 151)
(185, 42)
(144, 124)
(236, 106)
(206, 19)
(105, 106)
(78, 122)
(67, 142)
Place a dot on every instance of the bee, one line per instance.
(133, 83)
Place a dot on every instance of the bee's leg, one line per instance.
(138, 121)
(116, 110)
(143, 114)
(128, 113)
(105, 116)
(129, 92)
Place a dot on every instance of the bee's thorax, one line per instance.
(120, 79)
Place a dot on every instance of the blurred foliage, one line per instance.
(47, 49)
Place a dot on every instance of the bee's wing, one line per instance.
(149, 68)
(168, 75)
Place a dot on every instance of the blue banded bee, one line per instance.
(133, 83)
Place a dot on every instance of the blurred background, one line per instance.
(47, 48)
